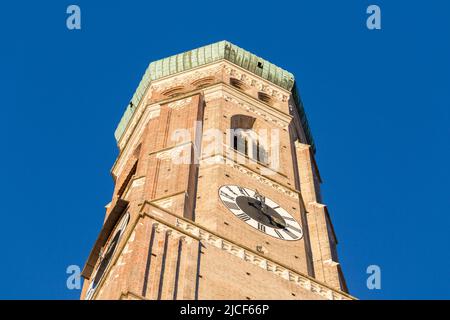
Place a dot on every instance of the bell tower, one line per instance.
(217, 193)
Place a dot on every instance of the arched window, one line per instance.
(238, 84)
(173, 92)
(245, 140)
(203, 82)
(265, 97)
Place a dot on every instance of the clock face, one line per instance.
(260, 212)
(107, 256)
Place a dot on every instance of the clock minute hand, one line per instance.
(262, 201)
(274, 219)
(263, 209)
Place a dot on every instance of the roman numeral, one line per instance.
(261, 227)
(242, 190)
(243, 217)
(231, 205)
(290, 234)
(288, 218)
(226, 195)
(231, 190)
(293, 228)
(279, 234)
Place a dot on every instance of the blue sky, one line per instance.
(377, 102)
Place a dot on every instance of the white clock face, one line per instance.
(107, 256)
(260, 212)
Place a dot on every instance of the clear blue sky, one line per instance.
(377, 102)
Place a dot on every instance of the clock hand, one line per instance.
(278, 222)
(262, 201)
(263, 208)
(274, 220)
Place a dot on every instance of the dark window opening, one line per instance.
(247, 141)
(265, 97)
(127, 180)
(238, 84)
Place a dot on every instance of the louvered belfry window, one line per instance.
(245, 140)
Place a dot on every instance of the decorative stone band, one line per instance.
(180, 104)
(160, 227)
(251, 81)
(185, 227)
(185, 79)
(254, 110)
(260, 261)
(219, 93)
(220, 159)
(174, 153)
(263, 180)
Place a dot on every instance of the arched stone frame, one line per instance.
(246, 140)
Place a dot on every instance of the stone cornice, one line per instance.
(185, 227)
(182, 227)
(247, 171)
(248, 103)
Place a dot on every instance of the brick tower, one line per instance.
(217, 193)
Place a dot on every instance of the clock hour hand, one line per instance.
(275, 220)
(264, 210)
